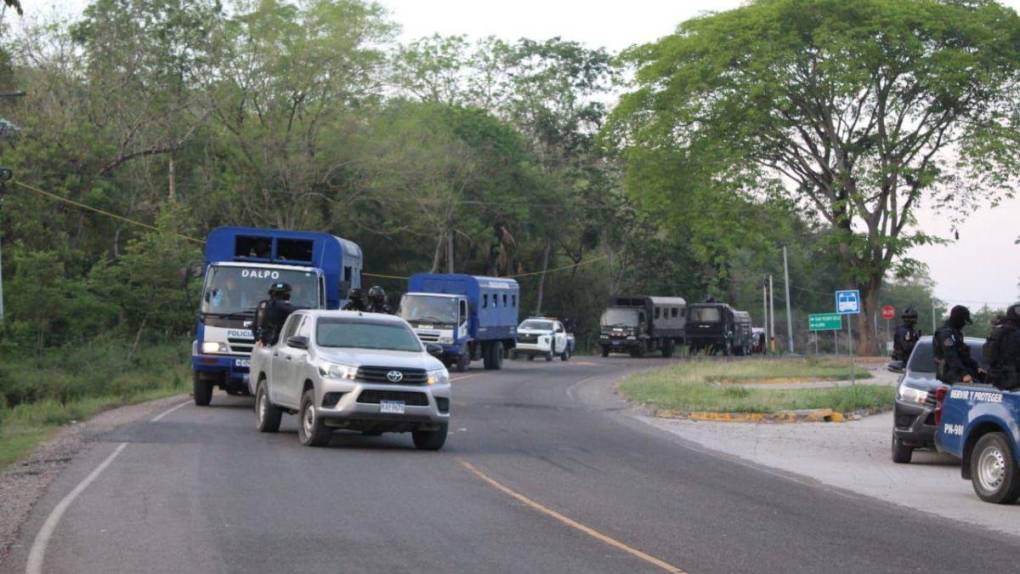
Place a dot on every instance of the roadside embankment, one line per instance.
(40, 393)
(786, 389)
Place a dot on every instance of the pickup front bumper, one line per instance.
(358, 406)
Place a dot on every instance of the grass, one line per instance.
(39, 394)
(715, 386)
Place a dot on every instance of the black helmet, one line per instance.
(376, 294)
(279, 289)
(355, 294)
(909, 314)
(959, 316)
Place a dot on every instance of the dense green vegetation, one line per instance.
(308, 114)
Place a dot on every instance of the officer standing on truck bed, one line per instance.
(952, 355)
(1002, 351)
(377, 301)
(270, 315)
(355, 300)
(906, 336)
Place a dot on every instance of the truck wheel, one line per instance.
(498, 354)
(463, 363)
(548, 356)
(493, 355)
(565, 355)
(605, 352)
(267, 415)
(901, 453)
(994, 470)
(311, 431)
(531, 357)
(429, 440)
(667, 348)
(202, 388)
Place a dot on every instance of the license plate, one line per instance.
(391, 407)
(242, 363)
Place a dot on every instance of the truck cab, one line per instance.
(471, 317)
(980, 425)
(240, 265)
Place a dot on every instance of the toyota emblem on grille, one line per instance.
(394, 376)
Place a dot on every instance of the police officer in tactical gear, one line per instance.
(953, 362)
(906, 336)
(1002, 351)
(355, 300)
(377, 300)
(270, 315)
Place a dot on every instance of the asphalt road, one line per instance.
(544, 471)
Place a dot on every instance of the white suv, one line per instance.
(539, 336)
(355, 371)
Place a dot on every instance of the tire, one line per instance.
(202, 388)
(493, 356)
(605, 352)
(901, 453)
(531, 357)
(429, 440)
(463, 363)
(549, 356)
(667, 348)
(994, 471)
(311, 431)
(565, 355)
(267, 415)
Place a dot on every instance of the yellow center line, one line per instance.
(661, 564)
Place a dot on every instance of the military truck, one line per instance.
(641, 324)
(715, 328)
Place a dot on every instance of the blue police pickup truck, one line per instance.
(980, 425)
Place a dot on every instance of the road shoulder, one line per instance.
(24, 483)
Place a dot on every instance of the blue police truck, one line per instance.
(240, 265)
(980, 425)
(471, 317)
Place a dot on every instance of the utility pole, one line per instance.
(772, 316)
(765, 311)
(449, 243)
(789, 315)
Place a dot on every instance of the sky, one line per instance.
(983, 266)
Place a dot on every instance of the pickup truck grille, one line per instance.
(378, 375)
(410, 398)
(241, 345)
(428, 337)
(527, 338)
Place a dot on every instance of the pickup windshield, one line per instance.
(537, 325)
(620, 317)
(233, 290)
(429, 309)
(340, 333)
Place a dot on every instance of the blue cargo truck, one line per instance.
(240, 265)
(471, 317)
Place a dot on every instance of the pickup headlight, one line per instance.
(438, 377)
(214, 347)
(912, 395)
(335, 371)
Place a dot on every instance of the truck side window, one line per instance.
(674, 312)
(485, 301)
(463, 311)
(513, 298)
(345, 282)
(504, 300)
(291, 327)
(658, 312)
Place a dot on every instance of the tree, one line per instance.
(862, 111)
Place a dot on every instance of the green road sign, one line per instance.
(825, 322)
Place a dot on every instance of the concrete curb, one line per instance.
(794, 416)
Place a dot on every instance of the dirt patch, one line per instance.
(23, 483)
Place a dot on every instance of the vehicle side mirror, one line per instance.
(434, 349)
(298, 342)
(896, 367)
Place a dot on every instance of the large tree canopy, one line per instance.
(862, 111)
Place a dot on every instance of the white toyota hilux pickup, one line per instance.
(543, 337)
(347, 370)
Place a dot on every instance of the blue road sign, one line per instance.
(848, 302)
